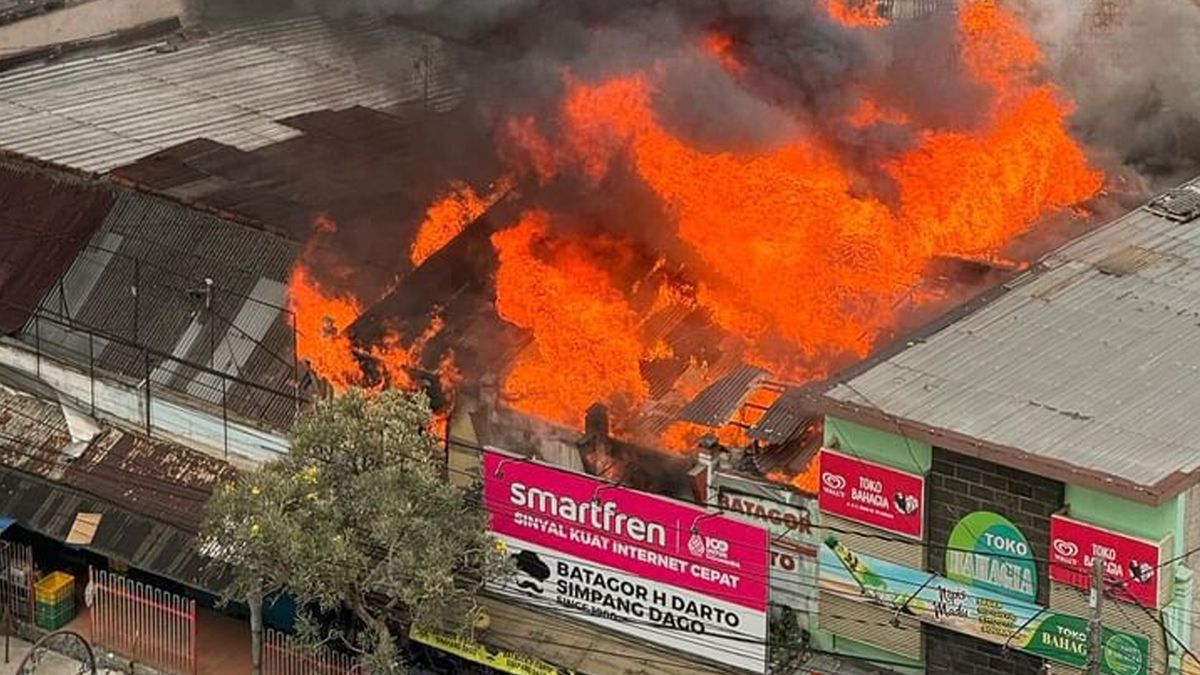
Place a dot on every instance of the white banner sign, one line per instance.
(657, 613)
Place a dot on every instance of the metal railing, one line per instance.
(231, 397)
(284, 655)
(17, 579)
(143, 623)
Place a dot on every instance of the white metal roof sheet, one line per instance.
(1097, 370)
(98, 112)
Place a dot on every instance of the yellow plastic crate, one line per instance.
(55, 587)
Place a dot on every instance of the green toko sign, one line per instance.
(987, 551)
(1064, 638)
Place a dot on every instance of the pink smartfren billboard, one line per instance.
(659, 569)
(650, 536)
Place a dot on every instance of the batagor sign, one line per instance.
(975, 611)
(872, 494)
(663, 571)
(1131, 564)
(793, 546)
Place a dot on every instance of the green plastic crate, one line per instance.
(54, 616)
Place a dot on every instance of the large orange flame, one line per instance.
(584, 331)
(793, 253)
(321, 318)
(450, 215)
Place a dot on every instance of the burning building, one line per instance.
(685, 256)
(617, 236)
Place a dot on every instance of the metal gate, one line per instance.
(17, 579)
(282, 655)
(142, 623)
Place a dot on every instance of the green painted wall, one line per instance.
(878, 446)
(1114, 513)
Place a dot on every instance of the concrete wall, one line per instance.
(1122, 515)
(87, 20)
(878, 446)
(956, 486)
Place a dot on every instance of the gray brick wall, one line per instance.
(950, 653)
(958, 485)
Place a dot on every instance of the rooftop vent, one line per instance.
(1180, 204)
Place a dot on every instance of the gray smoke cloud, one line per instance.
(1132, 69)
(1131, 72)
(803, 70)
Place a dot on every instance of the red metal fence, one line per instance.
(143, 623)
(282, 655)
(17, 578)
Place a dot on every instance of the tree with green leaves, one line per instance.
(358, 516)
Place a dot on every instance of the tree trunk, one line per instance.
(256, 632)
(384, 647)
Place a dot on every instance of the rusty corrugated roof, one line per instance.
(49, 508)
(159, 480)
(45, 219)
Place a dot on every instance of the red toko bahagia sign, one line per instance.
(872, 494)
(1131, 565)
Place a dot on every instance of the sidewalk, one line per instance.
(50, 664)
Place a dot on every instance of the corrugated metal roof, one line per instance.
(160, 480)
(1083, 362)
(50, 509)
(151, 494)
(102, 111)
(787, 415)
(167, 250)
(14, 10)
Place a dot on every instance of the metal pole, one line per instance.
(428, 61)
(37, 336)
(137, 284)
(225, 416)
(146, 370)
(296, 361)
(92, 368)
(1095, 626)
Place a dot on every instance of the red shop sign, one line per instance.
(1131, 565)
(872, 494)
